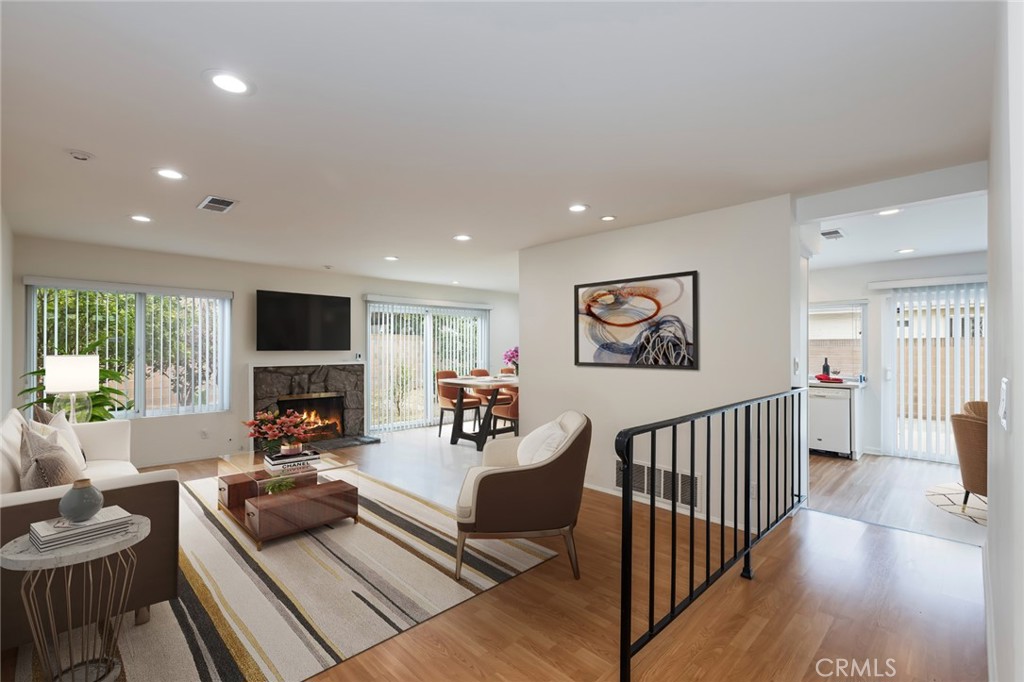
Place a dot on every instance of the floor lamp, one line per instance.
(72, 377)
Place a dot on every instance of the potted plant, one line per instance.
(278, 485)
(512, 357)
(278, 432)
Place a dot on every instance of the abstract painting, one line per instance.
(642, 322)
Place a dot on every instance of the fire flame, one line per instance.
(312, 418)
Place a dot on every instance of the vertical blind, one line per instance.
(171, 348)
(406, 345)
(940, 364)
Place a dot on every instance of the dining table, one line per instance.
(486, 428)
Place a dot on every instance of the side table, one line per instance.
(102, 570)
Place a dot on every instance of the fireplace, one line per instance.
(324, 413)
(334, 392)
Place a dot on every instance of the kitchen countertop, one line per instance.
(824, 384)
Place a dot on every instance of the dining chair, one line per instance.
(509, 413)
(448, 396)
(484, 394)
(508, 370)
(527, 487)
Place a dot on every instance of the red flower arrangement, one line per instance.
(277, 429)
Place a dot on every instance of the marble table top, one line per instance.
(21, 555)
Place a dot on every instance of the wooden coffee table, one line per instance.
(273, 504)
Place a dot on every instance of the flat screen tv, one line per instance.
(289, 321)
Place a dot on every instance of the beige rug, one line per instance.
(949, 497)
(307, 602)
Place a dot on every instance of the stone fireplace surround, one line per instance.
(271, 382)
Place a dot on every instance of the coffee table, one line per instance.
(270, 504)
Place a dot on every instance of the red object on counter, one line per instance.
(824, 378)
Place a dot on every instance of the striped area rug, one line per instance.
(306, 602)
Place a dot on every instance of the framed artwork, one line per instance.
(641, 322)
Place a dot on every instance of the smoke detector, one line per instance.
(834, 233)
(216, 204)
(79, 155)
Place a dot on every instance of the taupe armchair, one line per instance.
(977, 408)
(527, 487)
(971, 435)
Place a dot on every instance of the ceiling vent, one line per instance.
(835, 233)
(216, 204)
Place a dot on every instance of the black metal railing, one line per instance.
(766, 438)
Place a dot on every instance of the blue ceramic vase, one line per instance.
(81, 502)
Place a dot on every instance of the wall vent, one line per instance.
(216, 204)
(834, 233)
(687, 486)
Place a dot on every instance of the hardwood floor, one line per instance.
(825, 588)
(888, 491)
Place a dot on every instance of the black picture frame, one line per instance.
(640, 322)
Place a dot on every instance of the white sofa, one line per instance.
(107, 448)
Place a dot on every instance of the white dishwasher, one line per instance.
(829, 418)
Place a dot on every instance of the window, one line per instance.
(407, 344)
(836, 332)
(170, 345)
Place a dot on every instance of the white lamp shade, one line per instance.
(71, 373)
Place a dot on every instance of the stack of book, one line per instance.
(48, 535)
(276, 462)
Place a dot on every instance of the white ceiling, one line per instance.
(934, 228)
(380, 129)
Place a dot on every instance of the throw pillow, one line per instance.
(66, 437)
(41, 414)
(61, 423)
(540, 443)
(44, 462)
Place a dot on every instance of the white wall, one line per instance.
(850, 283)
(161, 440)
(6, 319)
(742, 254)
(1004, 550)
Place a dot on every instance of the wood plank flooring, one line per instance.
(888, 491)
(825, 588)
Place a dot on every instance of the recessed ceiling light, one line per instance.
(142, 218)
(462, 237)
(905, 250)
(328, 267)
(607, 218)
(390, 257)
(230, 83)
(578, 208)
(170, 174)
(455, 281)
(79, 155)
(890, 211)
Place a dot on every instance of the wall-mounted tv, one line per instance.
(289, 321)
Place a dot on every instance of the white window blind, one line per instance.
(170, 346)
(407, 344)
(940, 364)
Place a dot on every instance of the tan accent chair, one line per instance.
(527, 487)
(977, 408)
(448, 396)
(484, 394)
(971, 435)
(508, 370)
(510, 412)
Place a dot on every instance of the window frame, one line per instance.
(840, 307)
(140, 291)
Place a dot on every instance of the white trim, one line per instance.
(399, 300)
(927, 282)
(122, 288)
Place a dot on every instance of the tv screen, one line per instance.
(288, 321)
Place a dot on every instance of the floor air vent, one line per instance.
(216, 204)
(687, 486)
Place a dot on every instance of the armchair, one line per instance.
(527, 487)
(971, 436)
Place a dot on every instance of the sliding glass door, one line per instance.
(406, 345)
(939, 364)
